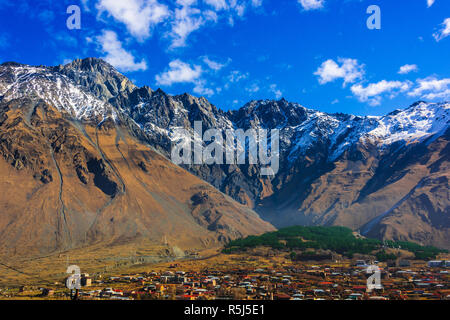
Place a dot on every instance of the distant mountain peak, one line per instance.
(18, 81)
(91, 65)
(99, 77)
(11, 64)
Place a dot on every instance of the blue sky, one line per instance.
(319, 53)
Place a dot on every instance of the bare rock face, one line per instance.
(423, 215)
(104, 81)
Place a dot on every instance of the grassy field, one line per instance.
(94, 260)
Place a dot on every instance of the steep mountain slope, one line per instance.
(74, 175)
(334, 168)
(380, 175)
(423, 213)
(98, 77)
(345, 170)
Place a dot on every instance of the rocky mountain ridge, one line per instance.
(334, 168)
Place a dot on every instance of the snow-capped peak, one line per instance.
(419, 121)
(22, 81)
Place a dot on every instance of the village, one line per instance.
(407, 280)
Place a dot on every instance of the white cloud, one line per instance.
(374, 91)
(179, 72)
(349, 70)
(216, 66)
(274, 89)
(182, 72)
(116, 55)
(444, 32)
(253, 88)
(256, 3)
(188, 17)
(217, 4)
(407, 68)
(139, 16)
(183, 17)
(441, 95)
(200, 89)
(240, 9)
(430, 3)
(431, 88)
(210, 15)
(236, 76)
(187, 20)
(67, 61)
(311, 4)
(85, 4)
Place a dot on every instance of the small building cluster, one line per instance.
(429, 281)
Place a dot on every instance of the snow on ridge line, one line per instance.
(55, 89)
(413, 124)
(419, 121)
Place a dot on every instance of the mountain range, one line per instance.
(85, 160)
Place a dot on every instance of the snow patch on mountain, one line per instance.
(414, 124)
(20, 81)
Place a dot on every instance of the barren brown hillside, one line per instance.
(67, 184)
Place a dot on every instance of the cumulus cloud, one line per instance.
(311, 4)
(430, 3)
(116, 55)
(349, 70)
(444, 32)
(182, 72)
(407, 68)
(182, 17)
(179, 72)
(139, 16)
(373, 92)
(431, 88)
